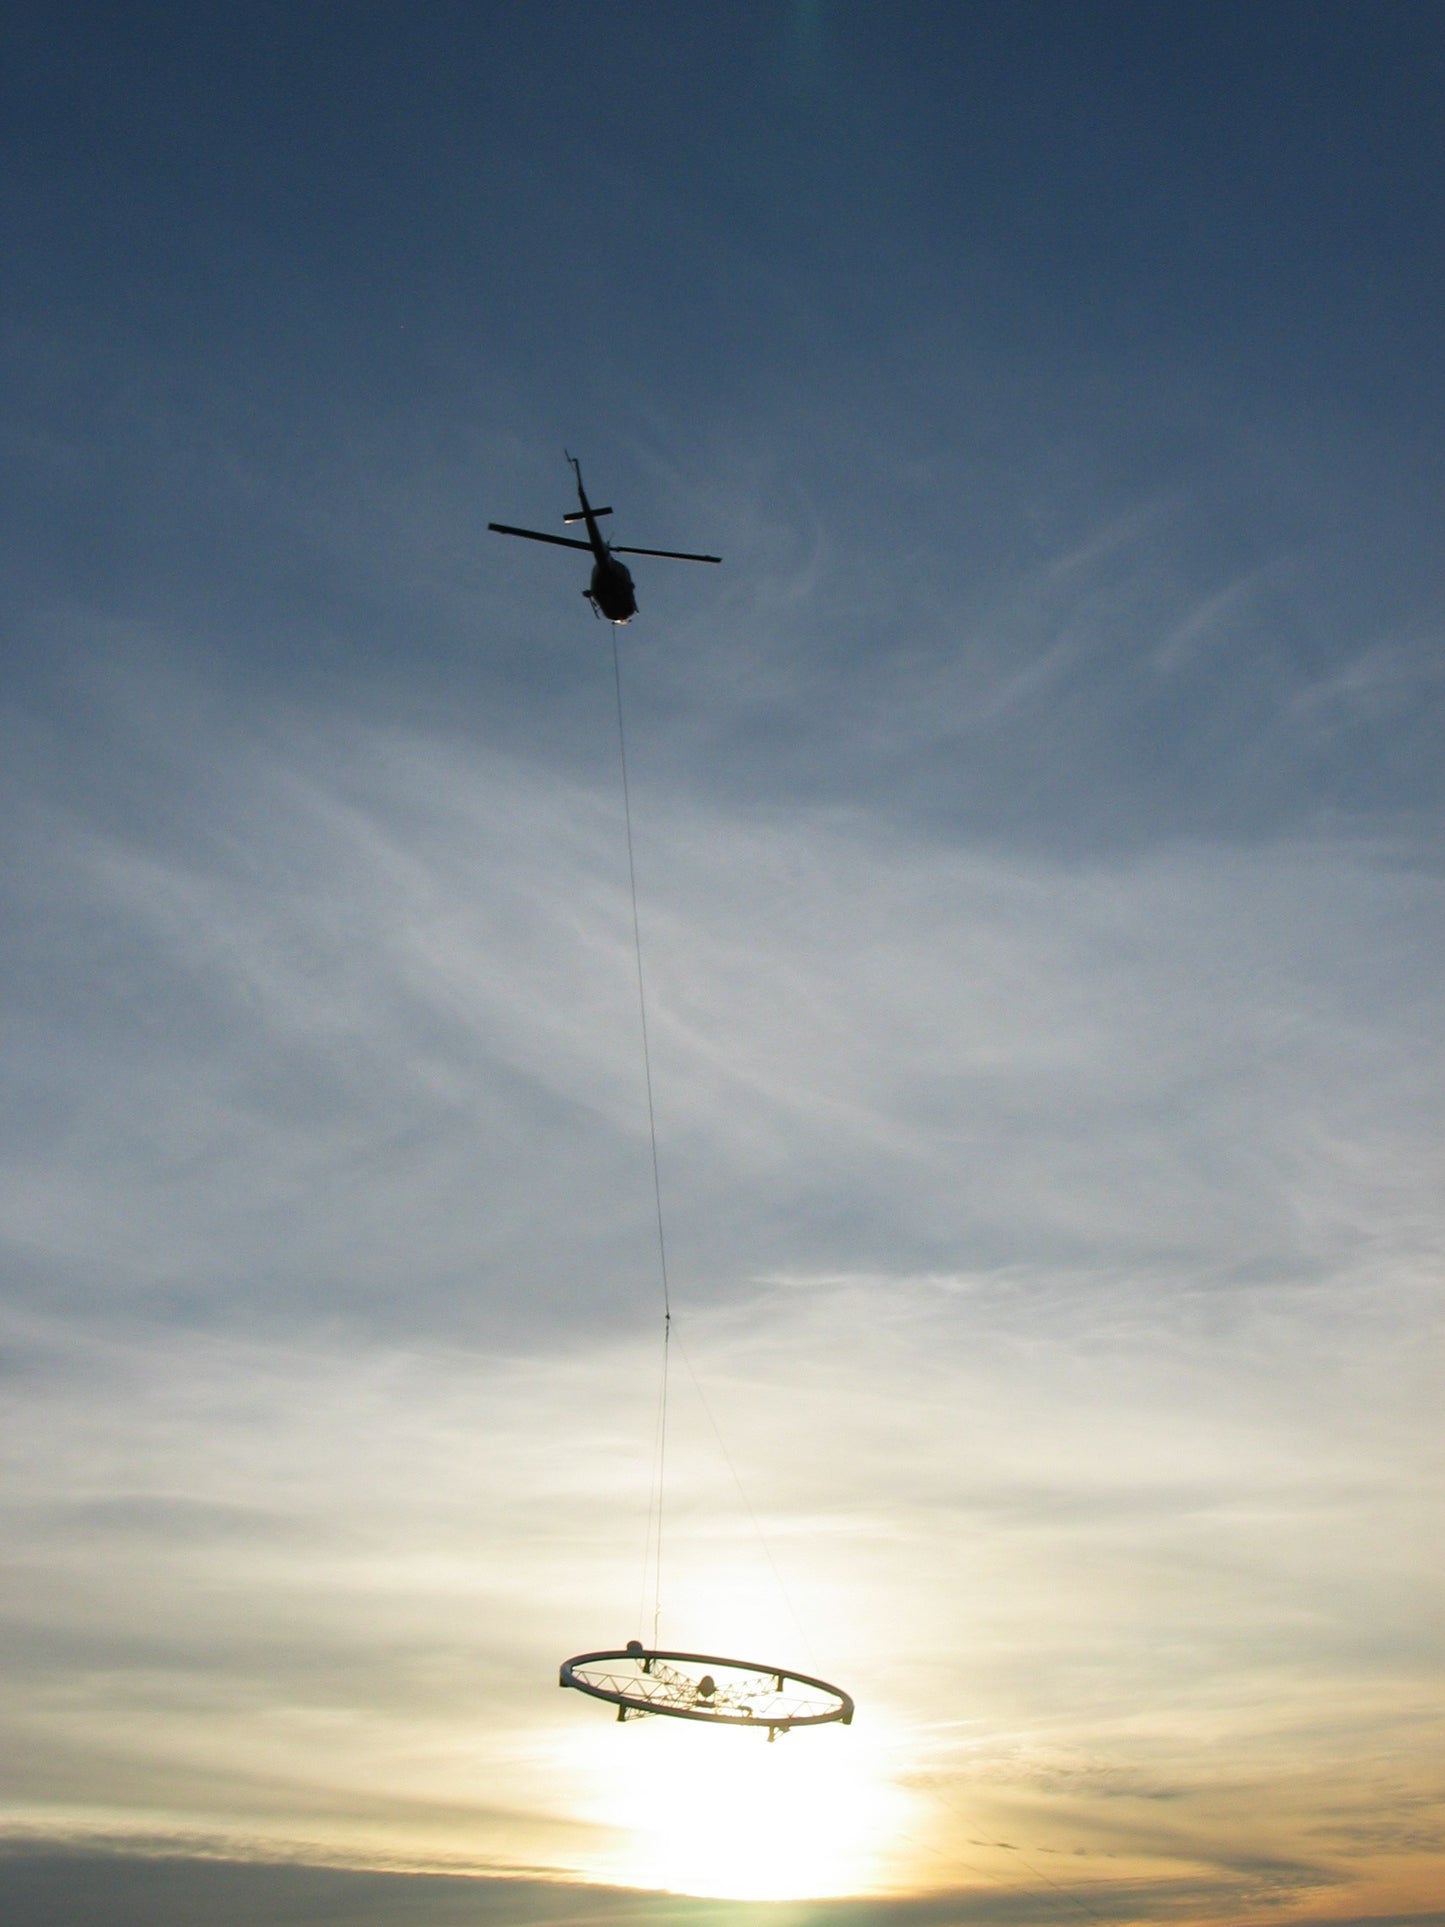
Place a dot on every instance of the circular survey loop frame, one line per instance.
(658, 1687)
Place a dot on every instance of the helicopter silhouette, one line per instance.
(611, 592)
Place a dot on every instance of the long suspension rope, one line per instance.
(652, 1546)
(653, 1543)
(654, 1533)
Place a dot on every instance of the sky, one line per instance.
(1041, 894)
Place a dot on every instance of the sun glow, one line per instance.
(725, 1815)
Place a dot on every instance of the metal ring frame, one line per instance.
(760, 1698)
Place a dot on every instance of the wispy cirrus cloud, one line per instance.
(1055, 1247)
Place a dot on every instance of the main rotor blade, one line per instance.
(536, 535)
(673, 555)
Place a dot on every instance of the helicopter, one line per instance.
(611, 592)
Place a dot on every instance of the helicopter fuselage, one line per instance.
(612, 593)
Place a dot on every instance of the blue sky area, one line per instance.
(1038, 825)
